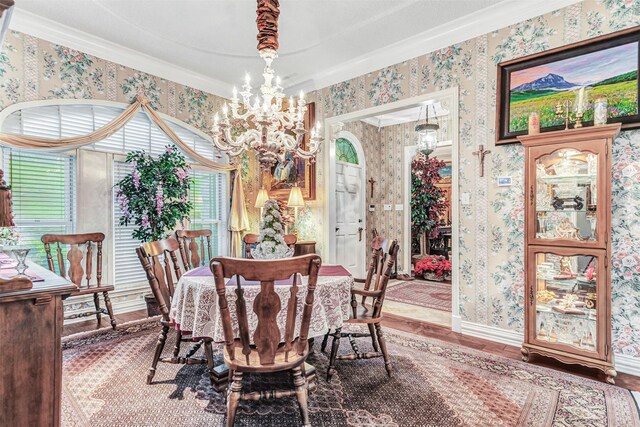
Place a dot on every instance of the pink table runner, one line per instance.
(325, 270)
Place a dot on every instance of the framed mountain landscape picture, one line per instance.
(600, 68)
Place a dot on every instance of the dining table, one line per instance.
(194, 306)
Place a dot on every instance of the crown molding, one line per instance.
(46, 29)
(492, 18)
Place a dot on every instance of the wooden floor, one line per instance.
(426, 330)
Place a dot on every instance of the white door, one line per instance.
(350, 222)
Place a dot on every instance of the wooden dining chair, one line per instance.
(160, 263)
(250, 241)
(383, 257)
(290, 240)
(266, 350)
(71, 245)
(192, 244)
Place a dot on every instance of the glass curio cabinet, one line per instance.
(568, 248)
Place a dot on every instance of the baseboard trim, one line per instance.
(456, 323)
(623, 363)
(491, 333)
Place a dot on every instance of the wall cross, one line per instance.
(481, 153)
(372, 181)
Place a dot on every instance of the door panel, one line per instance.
(349, 220)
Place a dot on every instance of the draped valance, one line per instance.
(140, 103)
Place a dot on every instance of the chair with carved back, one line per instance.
(266, 351)
(250, 241)
(192, 245)
(384, 254)
(160, 263)
(81, 276)
(290, 240)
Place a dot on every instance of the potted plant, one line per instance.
(154, 197)
(427, 200)
(434, 267)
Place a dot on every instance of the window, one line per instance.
(126, 264)
(346, 152)
(209, 211)
(43, 195)
(55, 176)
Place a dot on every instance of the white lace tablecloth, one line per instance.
(194, 306)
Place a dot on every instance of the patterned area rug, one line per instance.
(434, 384)
(434, 295)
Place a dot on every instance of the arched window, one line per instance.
(346, 152)
(35, 198)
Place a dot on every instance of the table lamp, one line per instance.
(295, 201)
(261, 199)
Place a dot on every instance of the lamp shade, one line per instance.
(295, 198)
(261, 198)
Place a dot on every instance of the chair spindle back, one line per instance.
(249, 240)
(76, 272)
(388, 258)
(192, 245)
(161, 274)
(267, 304)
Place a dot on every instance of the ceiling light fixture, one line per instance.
(427, 132)
(264, 125)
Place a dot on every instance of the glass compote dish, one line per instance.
(19, 253)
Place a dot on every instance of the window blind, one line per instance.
(126, 266)
(43, 194)
(209, 207)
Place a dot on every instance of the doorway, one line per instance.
(387, 197)
(350, 232)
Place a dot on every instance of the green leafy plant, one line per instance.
(427, 200)
(154, 195)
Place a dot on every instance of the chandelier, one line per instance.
(263, 123)
(427, 132)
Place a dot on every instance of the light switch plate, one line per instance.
(465, 198)
(399, 207)
(372, 208)
(504, 181)
(387, 207)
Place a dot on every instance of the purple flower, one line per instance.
(124, 205)
(159, 199)
(169, 149)
(145, 220)
(136, 178)
(182, 174)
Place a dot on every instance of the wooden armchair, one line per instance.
(267, 351)
(383, 257)
(161, 280)
(250, 241)
(77, 273)
(189, 241)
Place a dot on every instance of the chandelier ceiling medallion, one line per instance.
(264, 125)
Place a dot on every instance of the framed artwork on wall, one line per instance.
(604, 67)
(294, 171)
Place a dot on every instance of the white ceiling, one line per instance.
(215, 40)
(407, 115)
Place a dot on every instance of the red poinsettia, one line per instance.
(436, 264)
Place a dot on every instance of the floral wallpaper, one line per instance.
(492, 225)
